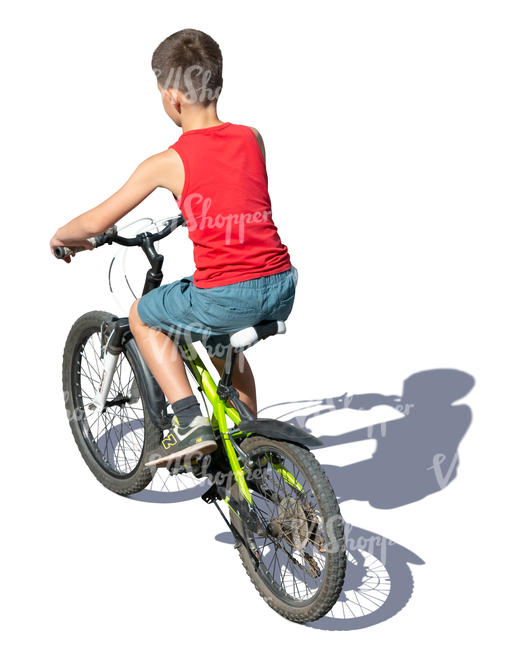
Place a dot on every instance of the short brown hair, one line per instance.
(190, 61)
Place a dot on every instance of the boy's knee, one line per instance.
(133, 317)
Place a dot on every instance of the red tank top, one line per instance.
(226, 205)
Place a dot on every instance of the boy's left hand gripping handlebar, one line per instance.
(63, 251)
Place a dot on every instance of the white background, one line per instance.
(387, 133)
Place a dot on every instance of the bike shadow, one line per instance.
(418, 450)
(170, 495)
(416, 455)
(377, 585)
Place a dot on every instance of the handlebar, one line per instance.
(111, 237)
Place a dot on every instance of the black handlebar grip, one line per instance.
(61, 251)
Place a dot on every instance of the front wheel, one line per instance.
(302, 554)
(116, 442)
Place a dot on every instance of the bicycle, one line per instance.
(283, 512)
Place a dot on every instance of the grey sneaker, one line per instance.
(196, 439)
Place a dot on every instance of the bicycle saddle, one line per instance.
(250, 335)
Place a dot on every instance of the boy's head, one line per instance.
(188, 68)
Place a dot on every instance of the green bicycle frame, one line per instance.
(220, 409)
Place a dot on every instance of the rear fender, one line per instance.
(278, 430)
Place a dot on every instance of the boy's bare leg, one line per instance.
(164, 361)
(162, 356)
(242, 379)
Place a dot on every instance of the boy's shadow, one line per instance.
(416, 455)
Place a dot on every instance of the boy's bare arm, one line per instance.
(160, 170)
(259, 141)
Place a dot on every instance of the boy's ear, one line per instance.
(174, 99)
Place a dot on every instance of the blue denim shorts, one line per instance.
(188, 313)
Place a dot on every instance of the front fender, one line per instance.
(279, 430)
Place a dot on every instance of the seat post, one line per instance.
(226, 390)
(230, 359)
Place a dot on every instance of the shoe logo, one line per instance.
(186, 435)
(181, 437)
(169, 441)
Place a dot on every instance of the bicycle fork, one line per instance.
(109, 355)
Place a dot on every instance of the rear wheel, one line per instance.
(303, 555)
(116, 442)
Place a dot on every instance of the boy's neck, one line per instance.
(199, 117)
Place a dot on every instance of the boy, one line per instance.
(217, 173)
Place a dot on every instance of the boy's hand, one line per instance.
(56, 241)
